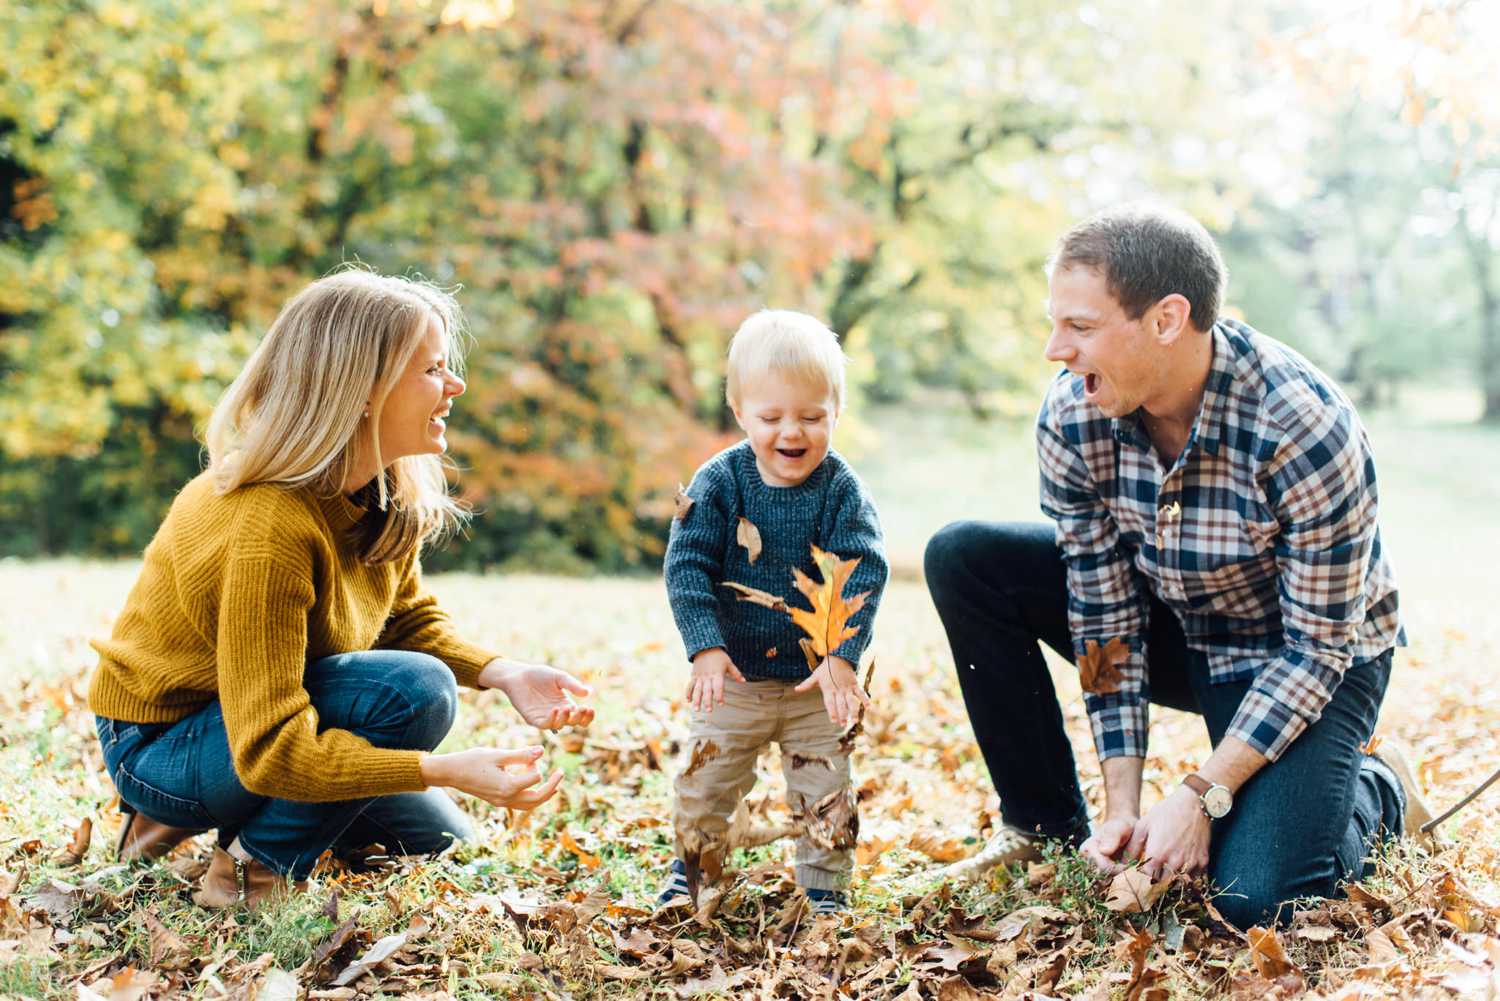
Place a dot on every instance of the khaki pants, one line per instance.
(754, 714)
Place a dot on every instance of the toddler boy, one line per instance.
(757, 509)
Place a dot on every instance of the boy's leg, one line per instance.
(725, 743)
(814, 769)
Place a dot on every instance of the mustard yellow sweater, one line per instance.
(237, 595)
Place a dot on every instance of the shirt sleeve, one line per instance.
(856, 534)
(276, 742)
(694, 563)
(419, 624)
(1321, 485)
(1105, 601)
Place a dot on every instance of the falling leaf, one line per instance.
(704, 751)
(1099, 667)
(846, 741)
(1372, 745)
(827, 623)
(1132, 891)
(756, 596)
(747, 535)
(682, 502)
(771, 654)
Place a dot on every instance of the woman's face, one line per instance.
(413, 420)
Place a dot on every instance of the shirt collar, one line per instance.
(1208, 427)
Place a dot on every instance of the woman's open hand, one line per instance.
(542, 695)
(504, 778)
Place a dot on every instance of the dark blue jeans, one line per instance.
(182, 773)
(1299, 827)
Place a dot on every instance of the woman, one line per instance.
(279, 671)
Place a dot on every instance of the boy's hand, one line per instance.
(707, 685)
(842, 695)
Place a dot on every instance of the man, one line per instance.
(1216, 551)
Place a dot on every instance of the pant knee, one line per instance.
(943, 560)
(1247, 902)
(431, 694)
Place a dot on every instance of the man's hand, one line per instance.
(706, 687)
(1173, 836)
(541, 694)
(842, 695)
(504, 778)
(1106, 845)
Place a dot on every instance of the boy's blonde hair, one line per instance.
(293, 416)
(787, 345)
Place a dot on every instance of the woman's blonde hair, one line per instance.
(294, 414)
(787, 345)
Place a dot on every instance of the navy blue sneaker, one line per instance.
(677, 885)
(827, 901)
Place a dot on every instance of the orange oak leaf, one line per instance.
(747, 535)
(827, 625)
(1099, 667)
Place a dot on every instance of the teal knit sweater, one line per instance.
(830, 510)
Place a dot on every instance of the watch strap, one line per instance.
(1197, 783)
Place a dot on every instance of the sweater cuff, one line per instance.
(391, 771)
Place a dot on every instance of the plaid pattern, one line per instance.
(1262, 538)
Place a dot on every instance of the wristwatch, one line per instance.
(1217, 800)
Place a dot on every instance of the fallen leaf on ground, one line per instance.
(79, 847)
(1132, 891)
(942, 847)
(1267, 954)
(747, 535)
(169, 950)
(569, 843)
(1099, 667)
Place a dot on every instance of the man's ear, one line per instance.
(1172, 316)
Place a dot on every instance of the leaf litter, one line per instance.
(526, 913)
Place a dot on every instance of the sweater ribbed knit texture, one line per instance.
(830, 509)
(237, 594)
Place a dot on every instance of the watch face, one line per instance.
(1217, 801)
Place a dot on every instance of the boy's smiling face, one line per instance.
(790, 426)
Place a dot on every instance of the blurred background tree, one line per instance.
(616, 183)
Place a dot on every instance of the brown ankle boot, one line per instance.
(144, 838)
(231, 882)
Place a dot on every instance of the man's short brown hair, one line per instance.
(1146, 253)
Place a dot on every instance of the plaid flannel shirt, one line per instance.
(1261, 536)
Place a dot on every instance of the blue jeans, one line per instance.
(182, 774)
(1299, 827)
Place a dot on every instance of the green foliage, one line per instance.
(614, 186)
